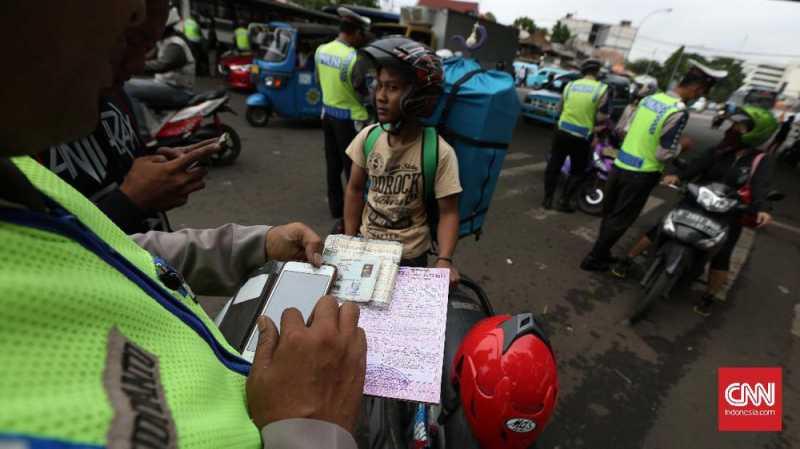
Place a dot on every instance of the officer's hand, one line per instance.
(763, 219)
(670, 180)
(162, 182)
(314, 372)
(294, 241)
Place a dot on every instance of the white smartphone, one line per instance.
(299, 285)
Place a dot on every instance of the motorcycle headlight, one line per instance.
(669, 225)
(712, 202)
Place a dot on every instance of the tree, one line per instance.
(646, 67)
(560, 33)
(672, 66)
(490, 17)
(525, 23)
(678, 63)
(319, 4)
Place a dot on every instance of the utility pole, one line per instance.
(675, 68)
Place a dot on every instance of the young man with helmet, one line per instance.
(737, 161)
(653, 138)
(398, 157)
(584, 103)
(342, 77)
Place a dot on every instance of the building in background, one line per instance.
(791, 76)
(616, 38)
(763, 76)
(452, 5)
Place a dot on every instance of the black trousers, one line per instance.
(338, 135)
(564, 145)
(626, 194)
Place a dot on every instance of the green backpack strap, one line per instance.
(372, 137)
(430, 163)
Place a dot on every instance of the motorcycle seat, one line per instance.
(206, 96)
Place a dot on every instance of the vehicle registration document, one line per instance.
(366, 269)
(405, 341)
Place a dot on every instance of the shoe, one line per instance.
(591, 263)
(565, 207)
(622, 268)
(547, 203)
(703, 307)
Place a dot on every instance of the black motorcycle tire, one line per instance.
(658, 289)
(591, 196)
(257, 116)
(228, 155)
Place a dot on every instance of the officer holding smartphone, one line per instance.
(96, 348)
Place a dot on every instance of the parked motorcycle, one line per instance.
(695, 228)
(194, 122)
(391, 424)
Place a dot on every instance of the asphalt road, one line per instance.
(651, 386)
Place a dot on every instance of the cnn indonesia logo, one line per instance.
(750, 399)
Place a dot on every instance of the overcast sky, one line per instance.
(751, 26)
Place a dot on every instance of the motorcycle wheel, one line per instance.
(228, 155)
(657, 289)
(591, 196)
(258, 117)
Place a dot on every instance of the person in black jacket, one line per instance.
(735, 162)
(132, 185)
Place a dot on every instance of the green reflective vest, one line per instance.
(581, 99)
(335, 61)
(89, 357)
(242, 39)
(639, 149)
(191, 29)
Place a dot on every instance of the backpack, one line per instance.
(429, 159)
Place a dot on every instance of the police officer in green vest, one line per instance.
(342, 77)
(191, 29)
(242, 39)
(653, 138)
(101, 344)
(584, 104)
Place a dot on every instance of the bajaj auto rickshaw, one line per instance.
(283, 71)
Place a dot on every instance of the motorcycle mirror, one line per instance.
(775, 196)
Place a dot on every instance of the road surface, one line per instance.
(652, 386)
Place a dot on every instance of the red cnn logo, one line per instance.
(750, 399)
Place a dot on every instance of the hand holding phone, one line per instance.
(299, 286)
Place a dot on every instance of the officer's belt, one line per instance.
(337, 113)
(577, 130)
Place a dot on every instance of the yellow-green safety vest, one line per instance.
(581, 98)
(639, 148)
(335, 61)
(191, 29)
(242, 39)
(95, 350)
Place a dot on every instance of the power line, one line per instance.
(722, 50)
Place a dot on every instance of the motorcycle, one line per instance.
(695, 228)
(193, 122)
(590, 194)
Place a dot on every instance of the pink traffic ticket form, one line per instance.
(405, 340)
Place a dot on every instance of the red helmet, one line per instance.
(506, 375)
